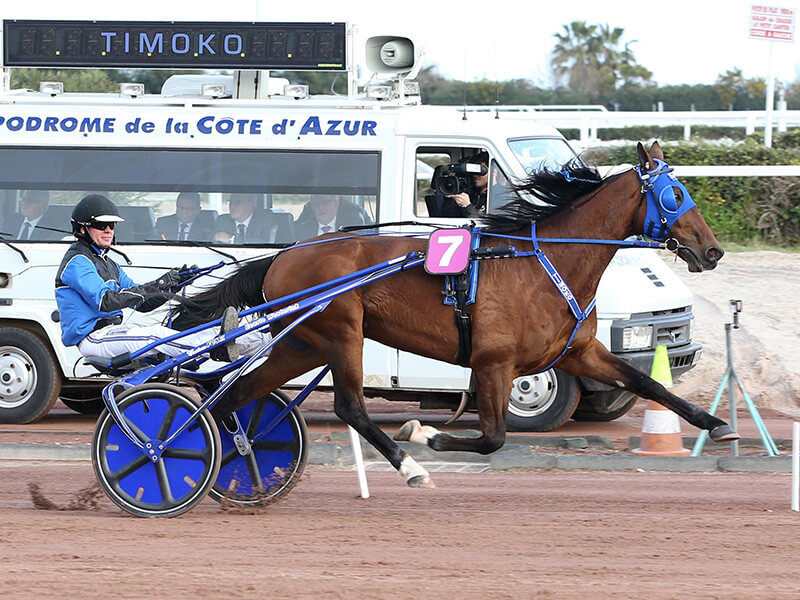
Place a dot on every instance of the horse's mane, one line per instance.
(552, 192)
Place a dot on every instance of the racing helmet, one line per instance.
(92, 209)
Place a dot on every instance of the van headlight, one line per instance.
(637, 337)
(4, 279)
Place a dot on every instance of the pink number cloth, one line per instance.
(448, 251)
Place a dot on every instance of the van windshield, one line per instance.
(536, 154)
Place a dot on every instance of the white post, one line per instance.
(355, 442)
(770, 101)
(796, 466)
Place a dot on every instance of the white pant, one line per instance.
(114, 340)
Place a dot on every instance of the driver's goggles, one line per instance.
(100, 226)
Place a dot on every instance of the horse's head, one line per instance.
(671, 214)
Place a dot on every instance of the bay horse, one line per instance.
(520, 321)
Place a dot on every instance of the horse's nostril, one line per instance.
(714, 254)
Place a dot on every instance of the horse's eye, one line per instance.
(678, 196)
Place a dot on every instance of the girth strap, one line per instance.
(463, 319)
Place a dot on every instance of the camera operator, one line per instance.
(477, 192)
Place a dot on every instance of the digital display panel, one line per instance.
(174, 45)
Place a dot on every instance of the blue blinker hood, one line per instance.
(667, 200)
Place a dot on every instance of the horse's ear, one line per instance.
(645, 162)
(656, 151)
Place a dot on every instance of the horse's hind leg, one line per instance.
(493, 388)
(598, 363)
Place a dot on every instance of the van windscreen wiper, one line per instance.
(194, 244)
(12, 246)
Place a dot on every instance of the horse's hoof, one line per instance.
(421, 481)
(407, 430)
(723, 433)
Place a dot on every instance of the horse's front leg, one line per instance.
(493, 386)
(348, 404)
(595, 361)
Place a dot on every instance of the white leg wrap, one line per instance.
(409, 468)
(422, 434)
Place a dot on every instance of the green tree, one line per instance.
(574, 56)
(593, 60)
(74, 80)
(729, 85)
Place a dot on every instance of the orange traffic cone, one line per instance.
(661, 429)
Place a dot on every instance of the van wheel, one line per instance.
(542, 402)
(29, 378)
(594, 406)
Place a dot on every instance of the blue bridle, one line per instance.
(667, 200)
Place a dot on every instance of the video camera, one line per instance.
(449, 180)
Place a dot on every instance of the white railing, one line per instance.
(588, 122)
(737, 170)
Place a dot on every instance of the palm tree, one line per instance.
(574, 56)
(593, 60)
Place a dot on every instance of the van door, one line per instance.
(424, 161)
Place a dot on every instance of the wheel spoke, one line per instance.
(231, 454)
(255, 474)
(134, 465)
(255, 418)
(166, 422)
(187, 453)
(274, 445)
(163, 482)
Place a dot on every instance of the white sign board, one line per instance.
(772, 23)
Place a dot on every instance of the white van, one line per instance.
(240, 140)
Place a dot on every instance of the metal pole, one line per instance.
(731, 389)
(796, 466)
(770, 101)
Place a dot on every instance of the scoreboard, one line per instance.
(174, 45)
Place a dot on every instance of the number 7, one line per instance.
(453, 241)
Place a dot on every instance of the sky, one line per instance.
(680, 41)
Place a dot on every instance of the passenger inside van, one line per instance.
(32, 220)
(326, 213)
(189, 222)
(243, 224)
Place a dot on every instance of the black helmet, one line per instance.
(93, 208)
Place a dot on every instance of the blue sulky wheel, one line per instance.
(274, 463)
(187, 469)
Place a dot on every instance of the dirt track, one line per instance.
(494, 535)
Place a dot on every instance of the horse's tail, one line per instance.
(242, 289)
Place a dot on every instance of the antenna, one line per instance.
(464, 114)
(496, 84)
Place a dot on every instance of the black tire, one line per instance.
(85, 407)
(30, 379)
(124, 471)
(542, 402)
(586, 410)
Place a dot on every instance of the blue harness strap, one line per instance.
(471, 276)
(580, 314)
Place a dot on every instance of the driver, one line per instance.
(92, 290)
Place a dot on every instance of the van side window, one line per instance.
(207, 195)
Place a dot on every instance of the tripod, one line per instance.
(731, 378)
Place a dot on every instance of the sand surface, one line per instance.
(766, 347)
